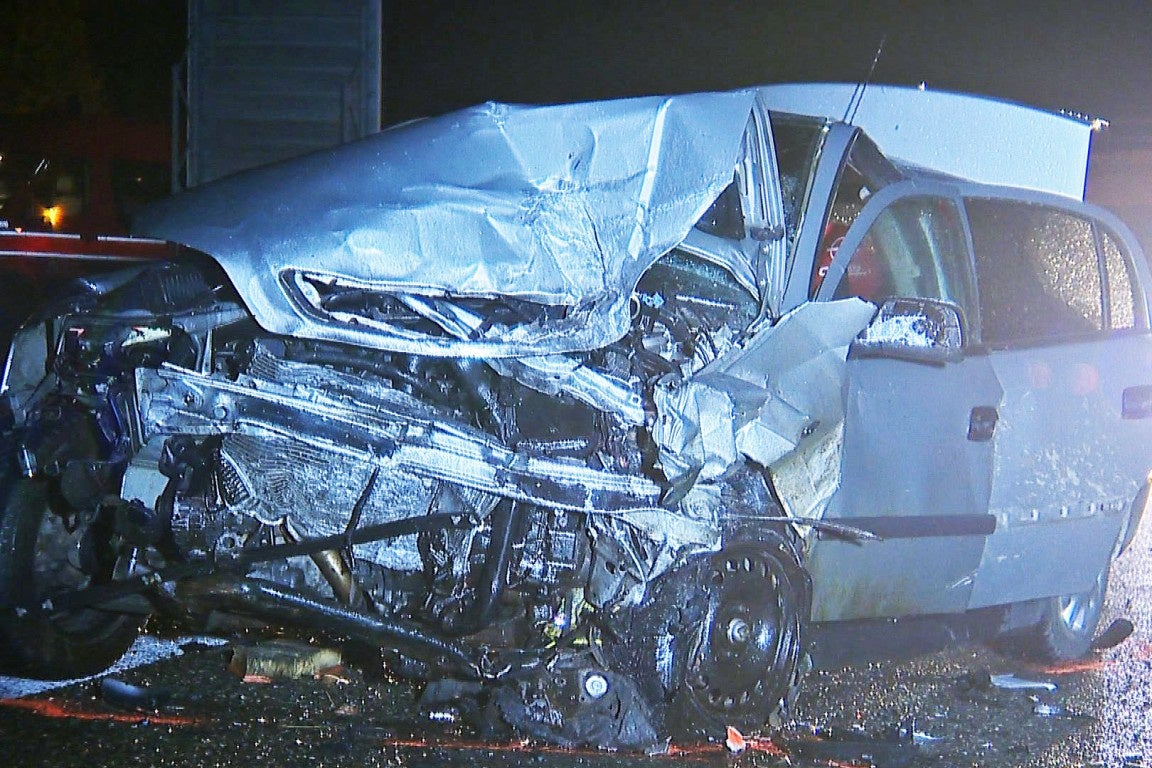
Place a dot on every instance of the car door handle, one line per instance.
(1137, 402)
(982, 423)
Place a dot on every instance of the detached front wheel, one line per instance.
(49, 544)
(719, 641)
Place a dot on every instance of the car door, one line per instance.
(1066, 328)
(916, 457)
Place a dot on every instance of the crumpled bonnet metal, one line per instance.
(562, 205)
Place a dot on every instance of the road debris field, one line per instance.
(964, 706)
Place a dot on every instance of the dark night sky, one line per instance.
(1089, 55)
(1093, 57)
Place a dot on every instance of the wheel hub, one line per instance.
(738, 632)
(748, 644)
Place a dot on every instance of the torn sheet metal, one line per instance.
(550, 374)
(806, 478)
(783, 392)
(667, 540)
(564, 206)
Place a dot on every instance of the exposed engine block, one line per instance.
(314, 492)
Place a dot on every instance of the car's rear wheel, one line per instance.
(47, 545)
(719, 641)
(1066, 627)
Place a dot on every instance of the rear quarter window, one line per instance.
(1121, 281)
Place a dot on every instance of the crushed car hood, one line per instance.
(562, 206)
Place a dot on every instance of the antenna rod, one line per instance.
(858, 92)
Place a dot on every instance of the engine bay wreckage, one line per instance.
(548, 403)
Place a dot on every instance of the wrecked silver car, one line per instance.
(596, 414)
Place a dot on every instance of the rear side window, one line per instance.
(1038, 272)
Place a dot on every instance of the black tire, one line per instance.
(40, 555)
(719, 641)
(1066, 627)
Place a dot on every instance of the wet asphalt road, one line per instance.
(214, 719)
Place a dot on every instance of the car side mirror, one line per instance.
(919, 330)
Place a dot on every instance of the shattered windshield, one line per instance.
(798, 144)
(751, 227)
(689, 310)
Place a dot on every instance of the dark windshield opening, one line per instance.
(798, 143)
(725, 217)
